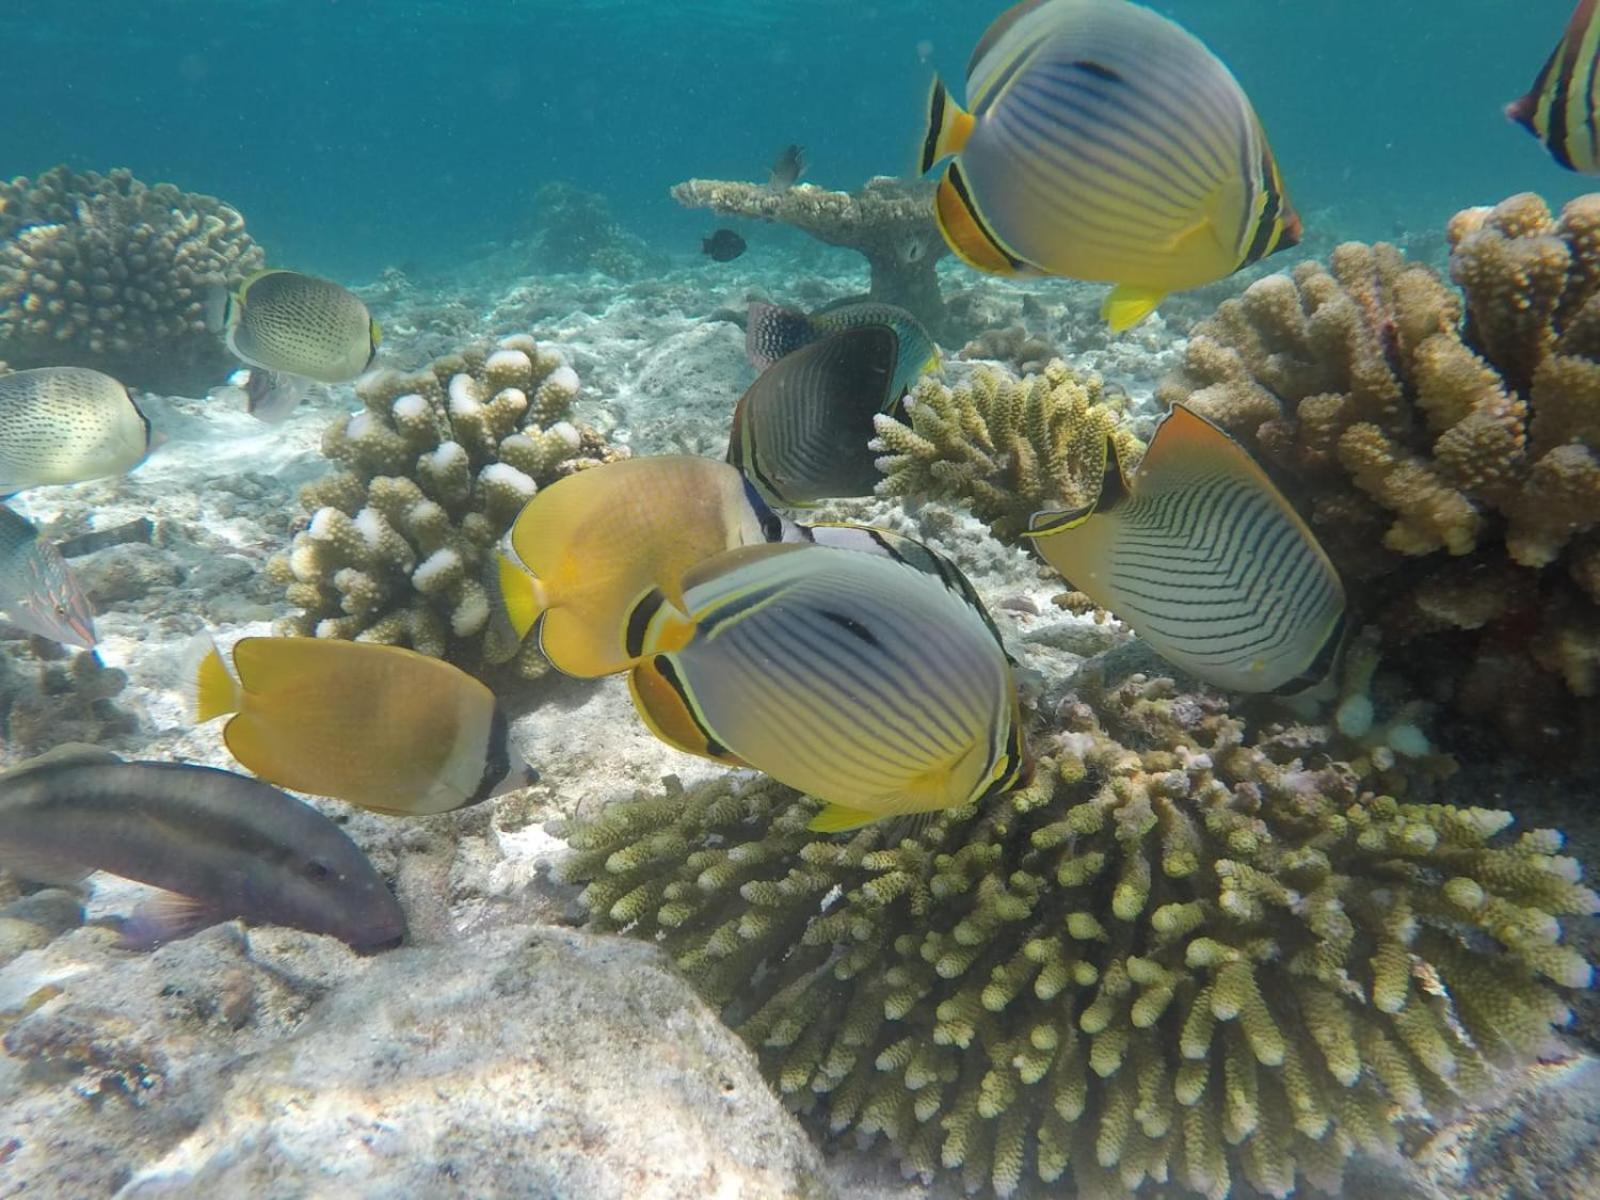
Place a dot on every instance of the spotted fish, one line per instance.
(298, 324)
(66, 425)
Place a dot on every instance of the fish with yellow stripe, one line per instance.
(1560, 108)
(861, 679)
(379, 726)
(1104, 142)
(1205, 560)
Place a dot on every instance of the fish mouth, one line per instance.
(366, 946)
(79, 632)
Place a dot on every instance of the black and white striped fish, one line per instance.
(1559, 108)
(1205, 560)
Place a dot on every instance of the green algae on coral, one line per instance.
(1184, 954)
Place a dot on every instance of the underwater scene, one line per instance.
(800, 600)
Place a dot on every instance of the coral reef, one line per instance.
(432, 472)
(889, 222)
(58, 696)
(1443, 444)
(1022, 352)
(575, 231)
(1187, 953)
(1003, 446)
(103, 271)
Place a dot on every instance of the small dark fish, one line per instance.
(724, 245)
(1561, 109)
(787, 170)
(224, 845)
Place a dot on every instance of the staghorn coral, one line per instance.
(1184, 954)
(1443, 443)
(103, 271)
(889, 222)
(432, 471)
(1005, 447)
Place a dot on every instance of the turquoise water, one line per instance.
(356, 134)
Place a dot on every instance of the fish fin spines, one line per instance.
(524, 596)
(1125, 306)
(208, 687)
(964, 230)
(839, 818)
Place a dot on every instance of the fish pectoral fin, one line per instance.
(168, 917)
(1127, 305)
(837, 818)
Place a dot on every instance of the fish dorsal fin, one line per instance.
(998, 29)
(1183, 440)
(666, 708)
(77, 753)
(722, 564)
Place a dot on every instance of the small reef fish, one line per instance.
(379, 726)
(1204, 559)
(788, 168)
(801, 431)
(268, 396)
(857, 678)
(772, 331)
(1560, 108)
(219, 845)
(1105, 143)
(723, 246)
(39, 594)
(584, 550)
(66, 425)
(297, 324)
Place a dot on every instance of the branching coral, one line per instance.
(1183, 954)
(1005, 447)
(102, 271)
(432, 472)
(1443, 442)
(889, 222)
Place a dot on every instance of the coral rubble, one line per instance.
(1186, 954)
(432, 471)
(103, 271)
(889, 222)
(57, 696)
(1443, 443)
(1005, 447)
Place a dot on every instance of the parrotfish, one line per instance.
(38, 591)
(1201, 555)
(220, 845)
(771, 332)
(1105, 143)
(585, 549)
(1560, 108)
(801, 431)
(860, 679)
(297, 324)
(66, 425)
(379, 726)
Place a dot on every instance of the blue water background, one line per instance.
(357, 134)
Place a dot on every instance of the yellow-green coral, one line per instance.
(1183, 954)
(1443, 442)
(432, 471)
(1005, 447)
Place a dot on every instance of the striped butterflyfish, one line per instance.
(860, 679)
(1559, 108)
(1104, 142)
(585, 549)
(772, 331)
(297, 324)
(801, 432)
(1205, 560)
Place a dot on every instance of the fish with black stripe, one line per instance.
(864, 680)
(1559, 109)
(772, 331)
(1205, 560)
(1104, 142)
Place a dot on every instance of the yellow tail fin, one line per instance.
(210, 690)
(524, 596)
(949, 127)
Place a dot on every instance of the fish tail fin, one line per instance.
(1127, 305)
(217, 302)
(525, 597)
(208, 687)
(838, 818)
(949, 127)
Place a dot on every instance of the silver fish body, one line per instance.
(38, 591)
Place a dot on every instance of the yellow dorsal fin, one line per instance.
(208, 687)
(524, 596)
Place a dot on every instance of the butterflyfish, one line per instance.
(772, 331)
(66, 425)
(297, 324)
(1103, 142)
(584, 550)
(1205, 560)
(39, 594)
(801, 431)
(787, 168)
(859, 679)
(268, 396)
(1559, 109)
(220, 845)
(378, 726)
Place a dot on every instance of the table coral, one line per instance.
(103, 271)
(1003, 446)
(1443, 443)
(889, 222)
(432, 471)
(1185, 953)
